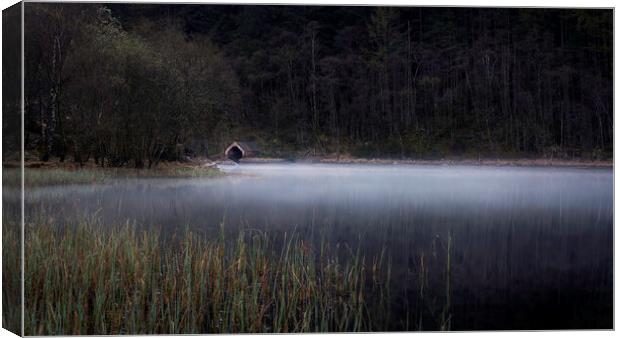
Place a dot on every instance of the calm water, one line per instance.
(531, 248)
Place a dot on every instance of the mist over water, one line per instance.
(530, 247)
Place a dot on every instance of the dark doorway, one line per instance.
(235, 154)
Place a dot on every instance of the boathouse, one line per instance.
(238, 150)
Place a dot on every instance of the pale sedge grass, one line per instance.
(92, 278)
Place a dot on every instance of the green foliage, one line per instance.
(129, 97)
(416, 143)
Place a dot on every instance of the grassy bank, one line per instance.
(11, 177)
(97, 279)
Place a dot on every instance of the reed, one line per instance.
(95, 279)
(11, 275)
(445, 314)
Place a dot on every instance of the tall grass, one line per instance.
(11, 274)
(94, 279)
(445, 314)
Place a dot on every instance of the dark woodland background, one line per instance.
(135, 84)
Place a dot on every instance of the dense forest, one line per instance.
(135, 84)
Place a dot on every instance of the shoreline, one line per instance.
(207, 163)
(538, 162)
(518, 162)
(50, 173)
